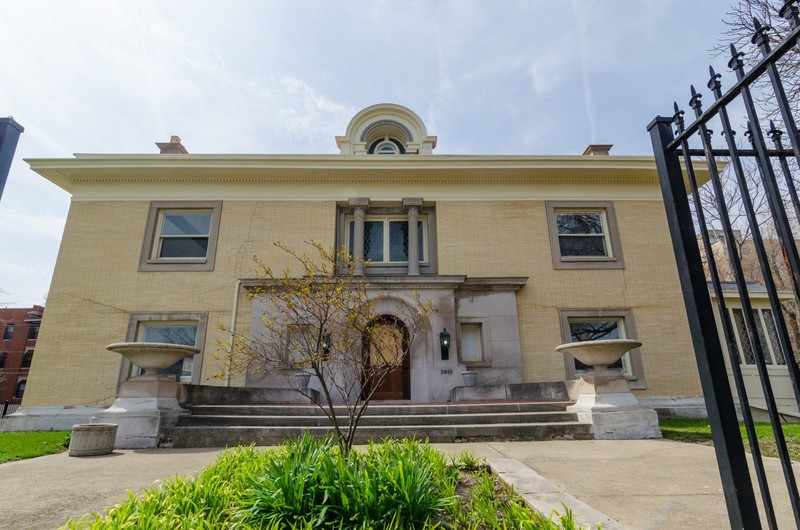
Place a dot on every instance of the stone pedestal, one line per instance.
(606, 401)
(92, 439)
(142, 408)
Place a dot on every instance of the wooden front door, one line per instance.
(386, 350)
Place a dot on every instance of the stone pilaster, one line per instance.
(360, 207)
(413, 206)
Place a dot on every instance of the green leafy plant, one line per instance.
(309, 484)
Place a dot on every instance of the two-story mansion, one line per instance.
(518, 253)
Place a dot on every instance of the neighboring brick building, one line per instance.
(19, 329)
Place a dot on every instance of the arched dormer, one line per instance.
(386, 129)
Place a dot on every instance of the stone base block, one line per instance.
(606, 402)
(676, 406)
(622, 424)
(547, 391)
(92, 439)
(140, 420)
(47, 418)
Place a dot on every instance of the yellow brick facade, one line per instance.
(511, 238)
(97, 285)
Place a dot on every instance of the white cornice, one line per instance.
(109, 169)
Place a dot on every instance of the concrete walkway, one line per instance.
(642, 484)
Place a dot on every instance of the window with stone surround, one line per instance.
(181, 236)
(188, 329)
(584, 235)
(386, 239)
(473, 342)
(386, 236)
(579, 325)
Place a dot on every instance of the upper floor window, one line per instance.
(27, 359)
(9, 332)
(3, 359)
(33, 332)
(20, 389)
(181, 236)
(584, 235)
(386, 146)
(386, 239)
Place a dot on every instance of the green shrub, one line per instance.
(308, 484)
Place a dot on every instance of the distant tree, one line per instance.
(3, 301)
(739, 22)
(323, 321)
(740, 30)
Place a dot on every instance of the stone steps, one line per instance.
(217, 418)
(222, 436)
(376, 420)
(381, 409)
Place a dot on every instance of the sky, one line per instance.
(285, 77)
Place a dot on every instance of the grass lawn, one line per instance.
(698, 431)
(21, 445)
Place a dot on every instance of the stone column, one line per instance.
(412, 206)
(360, 207)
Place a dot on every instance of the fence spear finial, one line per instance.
(677, 118)
(749, 133)
(760, 37)
(736, 62)
(775, 134)
(694, 102)
(713, 81)
(790, 12)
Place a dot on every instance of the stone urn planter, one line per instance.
(599, 354)
(148, 401)
(152, 356)
(605, 398)
(470, 378)
(300, 381)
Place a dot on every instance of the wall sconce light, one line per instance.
(444, 342)
(326, 346)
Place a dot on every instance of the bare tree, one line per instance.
(324, 322)
(740, 28)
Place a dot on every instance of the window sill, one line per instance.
(588, 263)
(177, 265)
(477, 364)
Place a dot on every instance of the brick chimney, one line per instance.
(173, 147)
(598, 150)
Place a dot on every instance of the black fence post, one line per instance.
(5, 409)
(736, 483)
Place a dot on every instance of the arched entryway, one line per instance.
(387, 359)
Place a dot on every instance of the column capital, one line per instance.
(361, 203)
(412, 203)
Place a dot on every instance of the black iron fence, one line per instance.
(8, 408)
(733, 214)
